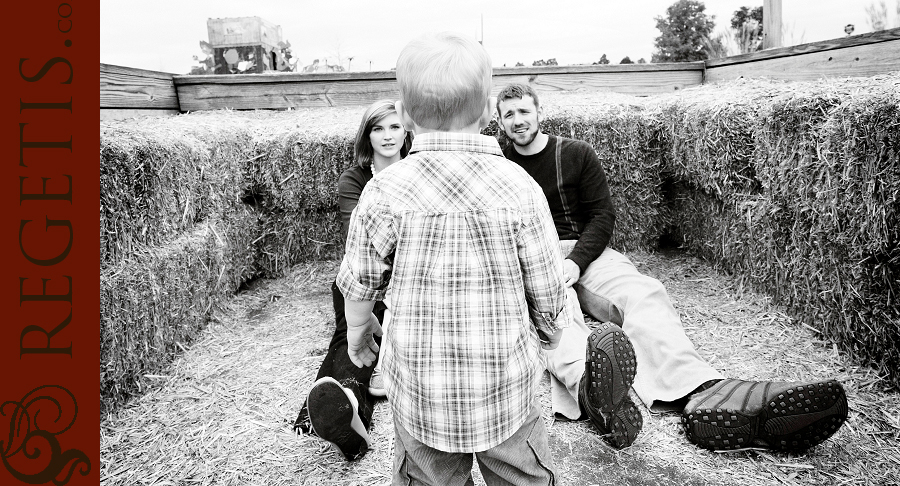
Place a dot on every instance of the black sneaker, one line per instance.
(332, 414)
(609, 370)
(735, 414)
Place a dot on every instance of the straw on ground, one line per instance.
(222, 413)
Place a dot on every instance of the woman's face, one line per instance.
(387, 136)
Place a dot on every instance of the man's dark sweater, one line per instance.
(577, 192)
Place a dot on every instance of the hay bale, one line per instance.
(300, 156)
(237, 234)
(297, 236)
(734, 234)
(811, 218)
(152, 304)
(159, 176)
(838, 182)
(709, 132)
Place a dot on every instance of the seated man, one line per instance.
(720, 413)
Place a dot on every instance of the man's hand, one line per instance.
(361, 344)
(549, 343)
(571, 271)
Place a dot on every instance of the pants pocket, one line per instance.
(540, 447)
(401, 471)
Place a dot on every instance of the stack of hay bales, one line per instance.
(301, 155)
(792, 187)
(193, 206)
(710, 145)
(795, 188)
(163, 192)
(829, 158)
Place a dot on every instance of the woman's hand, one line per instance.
(361, 345)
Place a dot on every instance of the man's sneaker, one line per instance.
(332, 414)
(609, 370)
(735, 414)
(376, 383)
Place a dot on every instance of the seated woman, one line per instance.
(339, 408)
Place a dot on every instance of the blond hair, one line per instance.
(445, 80)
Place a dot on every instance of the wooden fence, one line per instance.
(859, 55)
(127, 92)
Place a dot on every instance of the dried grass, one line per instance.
(222, 413)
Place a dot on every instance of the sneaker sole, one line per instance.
(798, 418)
(625, 424)
(610, 366)
(333, 417)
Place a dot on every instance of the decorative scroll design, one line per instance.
(35, 421)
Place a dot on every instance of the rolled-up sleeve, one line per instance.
(365, 270)
(542, 274)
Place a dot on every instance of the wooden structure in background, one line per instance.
(127, 91)
(252, 39)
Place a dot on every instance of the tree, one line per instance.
(877, 14)
(548, 62)
(626, 60)
(718, 46)
(742, 15)
(747, 26)
(642, 61)
(683, 31)
(603, 60)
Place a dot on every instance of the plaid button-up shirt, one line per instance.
(467, 242)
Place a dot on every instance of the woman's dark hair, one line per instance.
(376, 112)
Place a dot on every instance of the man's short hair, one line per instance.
(517, 91)
(445, 80)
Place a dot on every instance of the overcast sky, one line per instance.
(163, 35)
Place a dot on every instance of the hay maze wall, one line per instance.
(794, 188)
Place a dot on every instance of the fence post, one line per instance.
(771, 24)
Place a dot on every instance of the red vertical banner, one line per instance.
(49, 335)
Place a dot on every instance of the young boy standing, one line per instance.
(466, 239)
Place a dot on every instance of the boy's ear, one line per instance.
(488, 114)
(495, 115)
(405, 119)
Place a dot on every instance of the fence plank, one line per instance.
(826, 45)
(639, 82)
(280, 92)
(130, 88)
(294, 90)
(856, 60)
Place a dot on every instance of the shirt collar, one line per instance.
(457, 142)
